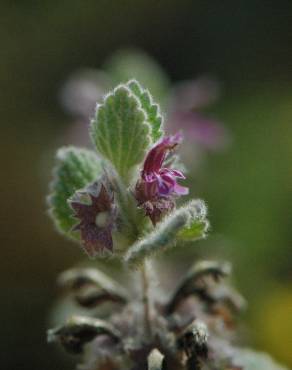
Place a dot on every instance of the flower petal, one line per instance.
(156, 155)
(173, 172)
(96, 238)
(181, 190)
(166, 184)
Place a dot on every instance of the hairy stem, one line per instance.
(146, 299)
(133, 220)
(135, 223)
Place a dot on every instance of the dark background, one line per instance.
(247, 45)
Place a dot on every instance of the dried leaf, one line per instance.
(193, 342)
(194, 282)
(78, 331)
(155, 360)
(92, 287)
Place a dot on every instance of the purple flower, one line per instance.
(158, 184)
(187, 99)
(158, 180)
(192, 95)
(96, 211)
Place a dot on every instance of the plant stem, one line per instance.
(132, 218)
(146, 299)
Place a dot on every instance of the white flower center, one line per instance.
(102, 219)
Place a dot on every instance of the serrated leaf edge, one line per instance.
(156, 130)
(94, 121)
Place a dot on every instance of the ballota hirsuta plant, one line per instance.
(119, 202)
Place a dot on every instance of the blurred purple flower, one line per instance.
(81, 92)
(79, 96)
(195, 94)
(207, 132)
(157, 185)
(187, 99)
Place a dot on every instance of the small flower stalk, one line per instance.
(119, 201)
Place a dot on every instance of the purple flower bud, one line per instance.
(95, 209)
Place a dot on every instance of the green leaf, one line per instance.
(166, 232)
(197, 227)
(75, 168)
(152, 109)
(194, 231)
(120, 130)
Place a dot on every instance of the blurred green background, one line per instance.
(247, 46)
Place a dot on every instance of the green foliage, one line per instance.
(150, 108)
(75, 168)
(166, 232)
(127, 64)
(197, 227)
(120, 131)
(193, 231)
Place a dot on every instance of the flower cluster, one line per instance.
(157, 187)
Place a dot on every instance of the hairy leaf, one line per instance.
(74, 169)
(197, 227)
(151, 109)
(120, 131)
(193, 283)
(92, 287)
(166, 233)
(199, 281)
